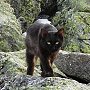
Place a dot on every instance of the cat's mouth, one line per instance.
(55, 49)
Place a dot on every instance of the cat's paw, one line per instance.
(42, 74)
(47, 74)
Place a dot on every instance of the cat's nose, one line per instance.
(54, 48)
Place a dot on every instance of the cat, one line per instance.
(44, 41)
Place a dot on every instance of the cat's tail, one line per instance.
(48, 10)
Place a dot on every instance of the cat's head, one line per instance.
(51, 40)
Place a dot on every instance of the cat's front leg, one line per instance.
(30, 62)
(46, 67)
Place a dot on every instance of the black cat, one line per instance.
(44, 41)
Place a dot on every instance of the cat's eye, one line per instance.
(48, 43)
(57, 43)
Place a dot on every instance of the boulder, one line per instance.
(75, 65)
(13, 76)
(10, 31)
(77, 37)
(23, 82)
(74, 15)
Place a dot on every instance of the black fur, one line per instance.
(44, 41)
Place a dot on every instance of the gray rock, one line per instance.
(75, 65)
(10, 31)
(13, 76)
(78, 34)
(23, 82)
(74, 15)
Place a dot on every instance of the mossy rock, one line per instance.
(82, 5)
(13, 76)
(28, 9)
(12, 62)
(10, 31)
(75, 16)
(78, 32)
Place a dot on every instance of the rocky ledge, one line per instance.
(13, 73)
(75, 65)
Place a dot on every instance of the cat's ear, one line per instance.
(60, 32)
(43, 32)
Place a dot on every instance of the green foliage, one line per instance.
(74, 15)
(76, 22)
(29, 9)
(82, 5)
(78, 32)
(4, 46)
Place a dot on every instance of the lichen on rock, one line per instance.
(78, 32)
(74, 15)
(75, 65)
(13, 75)
(10, 31)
